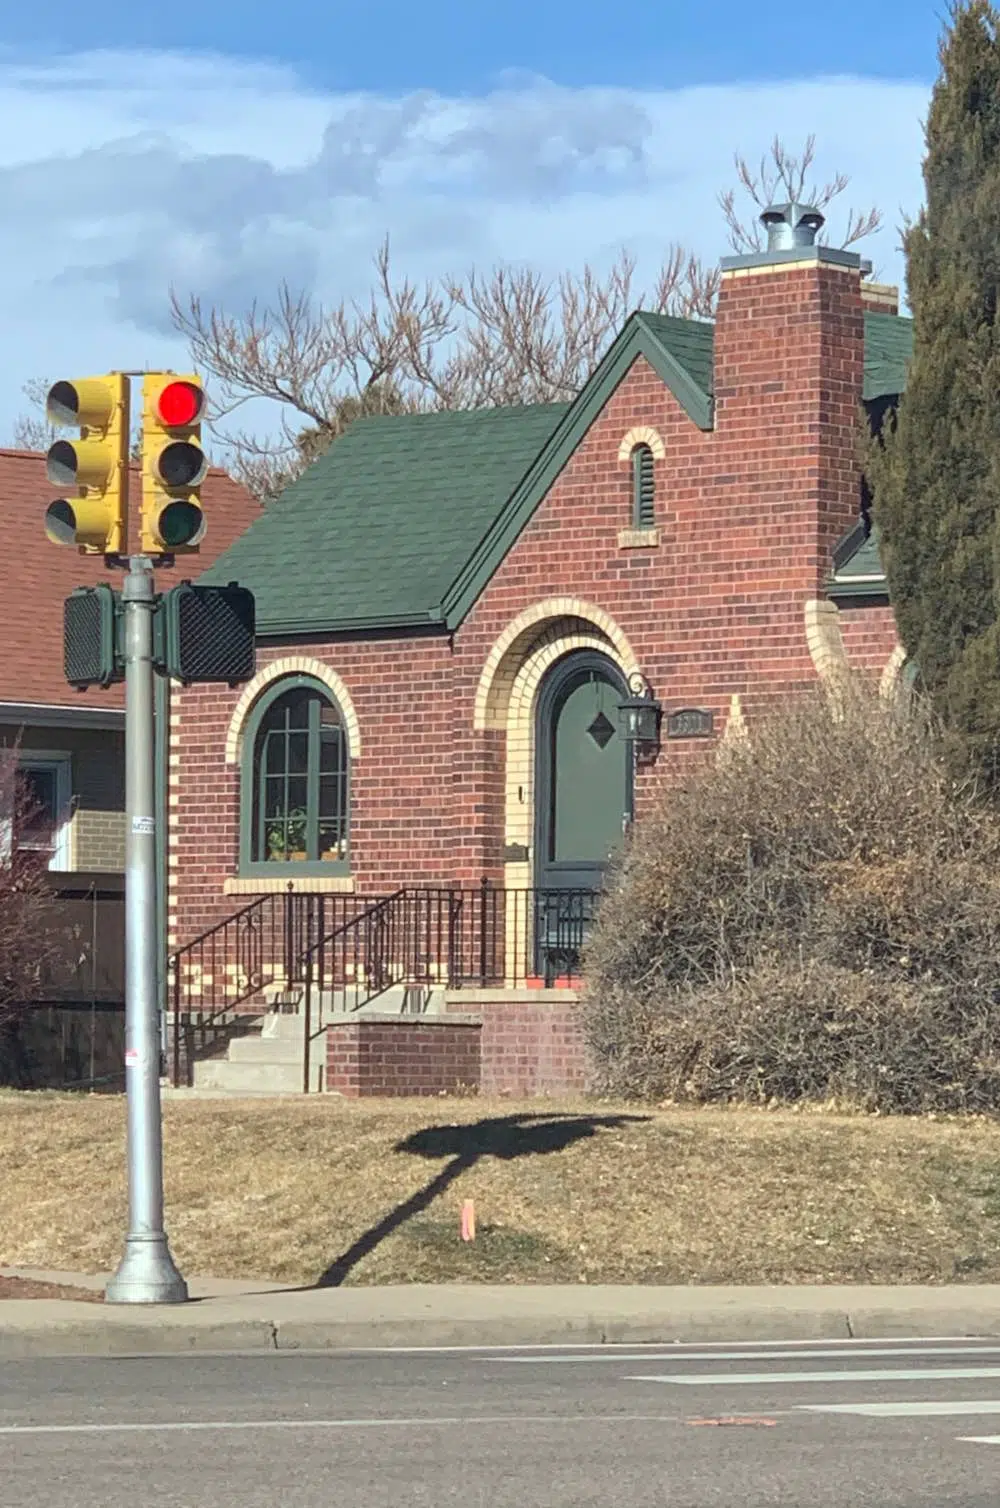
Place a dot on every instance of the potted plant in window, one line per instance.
(296, 833)
(287, 839)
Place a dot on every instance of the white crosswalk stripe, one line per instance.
(908, 1409)
(826, 1353)
(842, 1378)
(747, 1379)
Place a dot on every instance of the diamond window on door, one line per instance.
(602, 730)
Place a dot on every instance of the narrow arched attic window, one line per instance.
(643, 488)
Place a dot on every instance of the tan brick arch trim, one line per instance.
(293, 665)
(547, 644)
(825, 641)
(505, 658)
(642, 435)
(889, 684)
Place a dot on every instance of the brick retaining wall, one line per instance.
(531, 1040)
(521, 1043)
(395, 1056)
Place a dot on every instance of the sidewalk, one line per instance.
(233, 1316)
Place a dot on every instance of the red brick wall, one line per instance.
(748, 514)
(517, 1048)
(398, 788)
(869, 635)
(369, 1057)
(532, 1047)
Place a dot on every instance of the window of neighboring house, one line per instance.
(643, 488)
(296, 780)
(45, 803)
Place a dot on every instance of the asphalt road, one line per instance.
(890, 1424)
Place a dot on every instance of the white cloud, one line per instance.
(124, 174)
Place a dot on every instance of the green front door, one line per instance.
(583, 786)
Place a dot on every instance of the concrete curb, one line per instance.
(77, 1338)
(423, 1316)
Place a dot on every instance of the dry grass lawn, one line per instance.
(578, 1191)
(26, 1288)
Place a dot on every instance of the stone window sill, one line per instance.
(308, 884)
(638, 539)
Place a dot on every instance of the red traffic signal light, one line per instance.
(180, 403)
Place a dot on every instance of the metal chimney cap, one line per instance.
(791, 225)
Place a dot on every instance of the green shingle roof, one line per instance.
(689, 341)
(406, 518)
(888, 349)
(377, 529)
(857, 566)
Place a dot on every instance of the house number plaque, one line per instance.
(690, 722)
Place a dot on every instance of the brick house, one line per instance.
(422, 785)
(72, 745)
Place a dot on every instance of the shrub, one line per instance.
(815, 915)
(27, 914)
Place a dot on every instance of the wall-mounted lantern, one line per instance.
(640, 716)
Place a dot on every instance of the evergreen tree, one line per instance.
(937, 479)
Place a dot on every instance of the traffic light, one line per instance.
(173, 464)
(94, 515)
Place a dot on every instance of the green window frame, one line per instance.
(643, 488)
(295, 786)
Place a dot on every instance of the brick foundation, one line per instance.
(531, 1041)
(391, 1056)
(521, 1043)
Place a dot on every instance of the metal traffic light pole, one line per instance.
(146, 1273)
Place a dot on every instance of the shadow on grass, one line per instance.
(506, 1137)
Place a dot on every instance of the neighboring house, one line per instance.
(72, 744)
(423, 784)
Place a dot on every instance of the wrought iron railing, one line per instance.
(220, 981)
(419, 940)
(337, 954)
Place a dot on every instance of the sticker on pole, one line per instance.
(144, 827)
(132, 1057)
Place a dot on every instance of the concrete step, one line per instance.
(254, 1078)
(266, 1049)
(290, 1024)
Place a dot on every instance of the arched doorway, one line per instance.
(583, 772)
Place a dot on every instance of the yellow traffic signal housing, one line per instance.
(173, 464)
(94, 515)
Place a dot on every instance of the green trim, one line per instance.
(248, 866)
(283, 628)
(859, 548)
(858, 591)
(637, 339)
(643, 488)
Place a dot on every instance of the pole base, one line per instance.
(146, 1274)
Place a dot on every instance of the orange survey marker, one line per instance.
(468, 1220)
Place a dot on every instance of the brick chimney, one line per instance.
(789, 359)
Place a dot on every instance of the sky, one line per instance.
(270, 143)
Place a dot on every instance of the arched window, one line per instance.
(296, 781)
(643, 488)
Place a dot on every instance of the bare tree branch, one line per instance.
(506, 336)
(783, 176)
(33, 431)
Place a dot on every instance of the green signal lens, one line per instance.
(181, 523)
